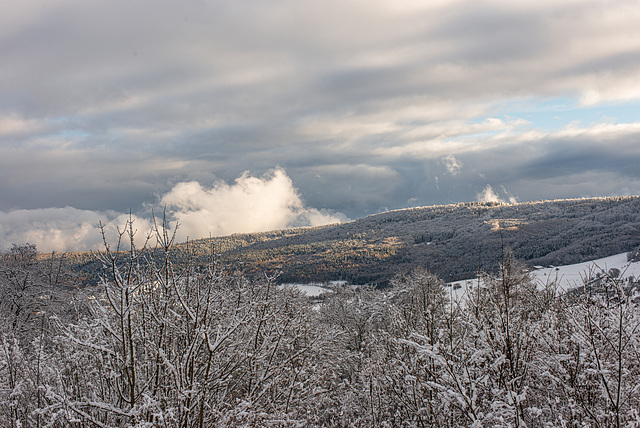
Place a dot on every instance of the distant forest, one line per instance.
(453, 241)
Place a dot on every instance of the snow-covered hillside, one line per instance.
(572, 276)
(565, 277)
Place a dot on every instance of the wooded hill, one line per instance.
(453, 241)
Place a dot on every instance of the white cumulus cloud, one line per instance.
(250, 204)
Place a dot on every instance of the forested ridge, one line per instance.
(168, 339)
(453, 241)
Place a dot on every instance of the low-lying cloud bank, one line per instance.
(250, 204)
(65, 229)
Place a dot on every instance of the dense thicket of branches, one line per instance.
(185, 345)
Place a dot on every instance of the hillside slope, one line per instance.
(454, 241)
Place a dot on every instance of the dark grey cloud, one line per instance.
(485, 33)
(111, 105)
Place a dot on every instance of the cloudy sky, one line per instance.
(262, 114)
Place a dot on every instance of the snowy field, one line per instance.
(572, 276)
(316, 289)
(566, 277)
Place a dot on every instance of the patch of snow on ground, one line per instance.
(311, 290)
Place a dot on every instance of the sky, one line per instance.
(250, 115)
